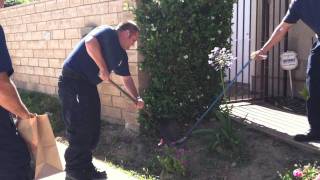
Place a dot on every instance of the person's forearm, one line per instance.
(10, 99)
(129, 85)
(276, 36)
(94, 51)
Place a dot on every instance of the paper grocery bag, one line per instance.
(38, 134)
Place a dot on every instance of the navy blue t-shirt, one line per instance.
(115, 56)
(5, 65)
(5, 60)
(306, 10)
(13, 151)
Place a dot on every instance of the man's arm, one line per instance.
(94, 50)
(10, 99)
(276, 37)
(131, 88)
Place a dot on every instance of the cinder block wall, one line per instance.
(41, 34)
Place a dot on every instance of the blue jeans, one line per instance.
(313, 85)
(81, 113)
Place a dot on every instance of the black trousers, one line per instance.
(14, 155)
(313, 85)
(81, 113)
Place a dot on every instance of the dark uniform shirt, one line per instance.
(306, 10)
(115, 56)
(13, 151)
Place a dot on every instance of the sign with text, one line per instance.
(289, 60)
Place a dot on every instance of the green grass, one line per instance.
(130, 172)
(42, 103)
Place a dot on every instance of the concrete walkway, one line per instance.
(112, 172)
(275, 122)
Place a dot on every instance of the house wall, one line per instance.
(300, 40)
(41, 34)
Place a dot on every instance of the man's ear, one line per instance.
(128, 33)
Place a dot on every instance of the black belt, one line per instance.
(67, 72)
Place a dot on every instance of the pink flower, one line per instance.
(297, 173)
(318, 177)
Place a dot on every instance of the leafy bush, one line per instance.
(8, 3)
(176, 37)
(42, 103)
(304, 93)
(173, 161)
(302, 172)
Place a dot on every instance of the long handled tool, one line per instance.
(123, 91)
(214, 102)
(162, 130)
(127, 94)
(253, 56)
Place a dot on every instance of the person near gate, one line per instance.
(14, 155)
(308, 12)
(100, 52)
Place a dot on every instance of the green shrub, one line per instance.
(173, 161)
(8, 3)
(302, 172)
(176, 37)
(304, 93)
(42, 103)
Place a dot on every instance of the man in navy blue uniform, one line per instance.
(14, 155)
(308, 12)
(98, 54)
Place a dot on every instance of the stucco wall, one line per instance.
(41, 34)
(300, 40)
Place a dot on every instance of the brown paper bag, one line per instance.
(38, 134)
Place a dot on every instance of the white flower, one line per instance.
(219, 31)
(212, 18)
(182, 1)
(157, 1)
(153, 28)
(220, 58)
(208, 77)
(215, 49)
(180, 104)
(186, 56)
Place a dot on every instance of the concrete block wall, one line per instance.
(41, 34)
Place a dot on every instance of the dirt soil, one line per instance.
(260, 158)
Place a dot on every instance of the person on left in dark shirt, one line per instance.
(14, 155)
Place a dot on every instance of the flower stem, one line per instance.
(222, 82)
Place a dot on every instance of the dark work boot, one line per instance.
(307, 137)
(96, 174)
(88, 174)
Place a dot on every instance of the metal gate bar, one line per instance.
(267, 80)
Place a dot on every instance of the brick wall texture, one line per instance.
(41, 34)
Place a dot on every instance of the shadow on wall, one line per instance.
(88, 27)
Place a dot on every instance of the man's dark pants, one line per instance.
(14, 155)
(313, 85)
(81, 113)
